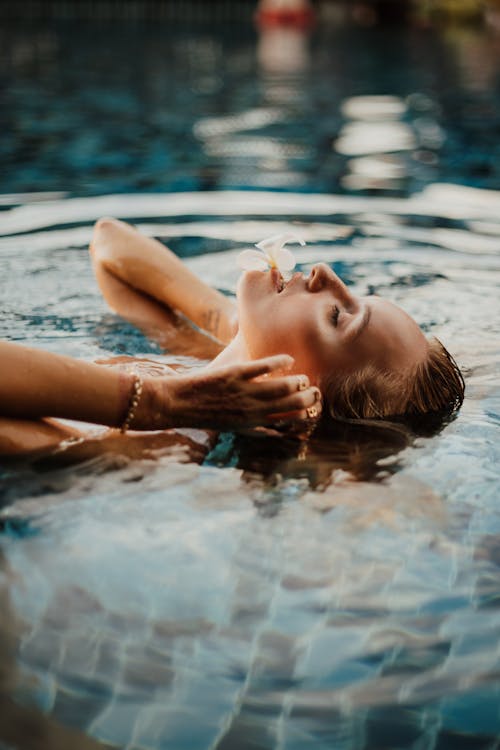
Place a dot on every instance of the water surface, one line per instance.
(344, 594)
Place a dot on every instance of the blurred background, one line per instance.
(124, 96)
(369, 11)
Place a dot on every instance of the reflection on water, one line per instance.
(342, 591)
(379, 130)
(230, 107)
(338, 593)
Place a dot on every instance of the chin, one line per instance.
(250, 281)
(254, 289)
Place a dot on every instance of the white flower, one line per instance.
(271, 254)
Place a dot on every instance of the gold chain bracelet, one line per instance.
(135, 397)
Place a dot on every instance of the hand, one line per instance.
(230, 397)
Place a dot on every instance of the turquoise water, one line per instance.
(256, 596)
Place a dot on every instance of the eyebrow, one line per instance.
(356, 329)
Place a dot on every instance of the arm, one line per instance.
(148, 266)
(35, 384)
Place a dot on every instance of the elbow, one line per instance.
(100, 237)
(105, 223)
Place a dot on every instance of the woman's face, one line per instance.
(324, 326)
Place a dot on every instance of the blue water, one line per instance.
(89, 109)
(255, 596)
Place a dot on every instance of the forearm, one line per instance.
(150, 267)
(35, 383)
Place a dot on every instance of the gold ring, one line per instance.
(302, 384)
(312, 412)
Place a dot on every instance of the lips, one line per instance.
(296, 281)
(278, 280)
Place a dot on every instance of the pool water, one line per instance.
(344, 594)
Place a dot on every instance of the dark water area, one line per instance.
(343, 593)
(89, 108)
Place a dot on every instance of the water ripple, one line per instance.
(319, 594)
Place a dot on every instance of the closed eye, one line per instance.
(335, 315)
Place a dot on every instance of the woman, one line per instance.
(362, 356)
(368, 357)
(36, 385)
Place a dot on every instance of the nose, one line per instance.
(323, 277)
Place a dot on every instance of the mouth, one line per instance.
(279, 282)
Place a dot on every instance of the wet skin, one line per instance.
(323, 325)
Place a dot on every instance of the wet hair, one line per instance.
(434, 387)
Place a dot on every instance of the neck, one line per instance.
(234, 352)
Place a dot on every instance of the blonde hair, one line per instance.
(434, 386)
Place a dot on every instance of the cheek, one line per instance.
(271, 325)
(267, 325)
(296, 334)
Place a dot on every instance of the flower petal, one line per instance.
(285, 260)
(272, 247)
(291, 237)
(271, 243)
(252, 260)
(276, 256)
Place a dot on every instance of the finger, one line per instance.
(298, 402)
(268, 390)
(296, 419)
(259, 367)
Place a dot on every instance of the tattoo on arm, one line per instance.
(210, 321)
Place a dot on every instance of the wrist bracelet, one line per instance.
(135, 397)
